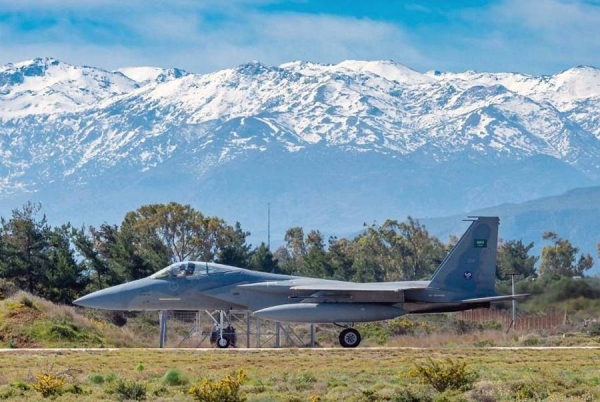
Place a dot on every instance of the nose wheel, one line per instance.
(223, 343)
(223, 333)
(350, 338)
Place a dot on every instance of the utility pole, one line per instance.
(269, 226)
(514, 306)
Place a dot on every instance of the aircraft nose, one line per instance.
(118, 297)
(102, 300)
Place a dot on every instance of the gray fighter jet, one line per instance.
(463, 281)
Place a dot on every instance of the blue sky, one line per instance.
(529, 36)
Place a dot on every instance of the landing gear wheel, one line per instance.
(223, 343)
(350, 338)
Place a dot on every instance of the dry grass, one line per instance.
(286, 374)
(30, 321)
(436, 340)
(336, 374)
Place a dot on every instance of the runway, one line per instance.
(285, 350)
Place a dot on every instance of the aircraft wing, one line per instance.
(350, 292)
(362, 287)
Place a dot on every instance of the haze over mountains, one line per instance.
(329, 146)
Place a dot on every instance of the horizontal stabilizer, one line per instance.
(362, 287)
(495, 298)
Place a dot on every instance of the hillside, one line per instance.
(28, 321)
(574, 215)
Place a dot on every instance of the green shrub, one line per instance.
(139, 368)
(7, 289)
(27, 302)
(77, 390)
(594, 329)
(530, 340)
(95, 379)
(305, 377)
(160, 391)
(21, 385)
(375, 331)
(129, 390)
(10, 393)
(224, 390)
(410, 395)
(445, 374)
(63, 331)
(173, 377)
(527, 390)
(111, 377)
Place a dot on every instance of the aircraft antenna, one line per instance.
(269, 226)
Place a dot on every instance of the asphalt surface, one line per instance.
(281, 350)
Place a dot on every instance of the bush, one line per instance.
(49, 384)
(11, 393)
(27, 302)
(527, 389)
(174, 377)
(111, 377)
(410, 395)
(224, 390)
(7, 289)
(594, 329)
(96, 379)
(445, 374)
(530, 340)
(129, 390)
(61, 331)
(20, 385)
(77, 390)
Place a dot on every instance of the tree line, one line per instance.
(61, 263)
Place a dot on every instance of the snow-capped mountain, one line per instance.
(330, 144)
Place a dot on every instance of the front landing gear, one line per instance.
(223, 343)
(223, 334)
(350, 338)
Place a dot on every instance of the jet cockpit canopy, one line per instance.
(190, 269)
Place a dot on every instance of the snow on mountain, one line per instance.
(561, 89)
(146, 75)
(383, 68)
(403, 136)
(360, 105)
(574, 92)
(46, 86)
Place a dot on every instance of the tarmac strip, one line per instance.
(275, 350)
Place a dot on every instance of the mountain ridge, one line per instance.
(574, 215)
(374, 138)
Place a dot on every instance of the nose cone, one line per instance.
(127, 296)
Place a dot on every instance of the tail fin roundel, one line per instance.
(470, 268)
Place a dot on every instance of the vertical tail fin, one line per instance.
(470, 268)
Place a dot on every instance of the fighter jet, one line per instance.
(463, 281)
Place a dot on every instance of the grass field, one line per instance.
(363, 374)
(302, 374)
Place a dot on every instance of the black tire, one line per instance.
(223, 343)
(350, 338)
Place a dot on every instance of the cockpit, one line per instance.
(191, 269)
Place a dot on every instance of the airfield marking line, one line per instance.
(281, 350)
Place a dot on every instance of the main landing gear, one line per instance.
(350, 338)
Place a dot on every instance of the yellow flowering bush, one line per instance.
(224, 390)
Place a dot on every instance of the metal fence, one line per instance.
(197, 329)
(542, 321)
